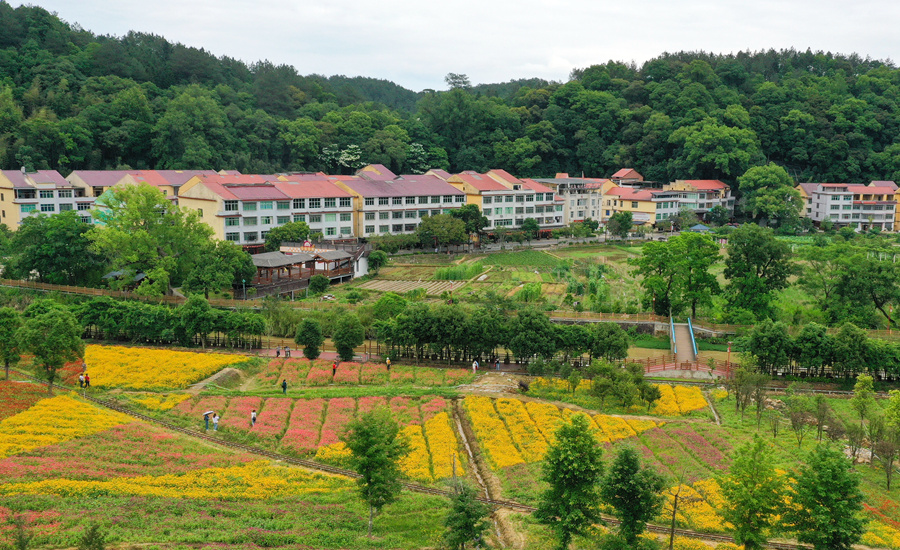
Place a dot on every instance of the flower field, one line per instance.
(161, 402)
(678, 400)
(54, 420)
(303, 372)
(15, 397)
(512, 433)
(151, 369)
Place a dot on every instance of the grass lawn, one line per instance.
(534, 258)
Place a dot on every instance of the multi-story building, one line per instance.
(243, 209)
(703, 195)
(24, 194)
(167, 181)
(627, 176)
(397, 205)
(630, 199)
(582, 198)
(854, 205)
(507, 201)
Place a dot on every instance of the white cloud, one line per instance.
(416, 43)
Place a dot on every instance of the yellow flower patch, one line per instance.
(54, 420)
(614, 428)
(163, 402)
(443, 446)
(685, 543)
(525, 433)
(416, 463)
(678, 400)
(694, 511)
(251, 481)
(143, 369)
(880, 535)
(337, 453)
(719, 394)
(547, 418)
(492, 433)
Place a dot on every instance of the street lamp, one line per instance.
(244, 283)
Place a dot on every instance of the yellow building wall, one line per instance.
(9, 211)
(647, 207)
(473, 196)
(199, 197)
(358, 204)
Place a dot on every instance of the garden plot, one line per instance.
(432, 288)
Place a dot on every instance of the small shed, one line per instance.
(338, 262)
(275, 266)
(700, 228)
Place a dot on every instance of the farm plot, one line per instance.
(310, 427)
(303, 372)
(407, 273)
(432, 288)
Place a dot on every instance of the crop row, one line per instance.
(303, 372)
(512, 432)
(16, 397)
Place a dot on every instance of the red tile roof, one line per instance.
(482, 182)
(504, 175)
(408, 186)
(866, 190)
(256, 192)
(887, 183)
(378, 172)
(627, 173)
(100, 178)
(20, 180)
(443, 174)
(707, 184)
(238, 179)
(535, 186)
(311, 189)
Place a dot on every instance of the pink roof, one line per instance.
(535, 186)
(100, 178)
(809, 187)
(237, 179)
(256, 192)
(626, 173)
(375, 172)
(707, 184)
(887, 183)
(220, 190)
(481, 182)
(310, 189)
(629, 193)
(443, 174)
(866, 190)
(405, 186)
(178, 177)
(20, 180)
(505, 176)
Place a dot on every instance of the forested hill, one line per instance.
(72, 100)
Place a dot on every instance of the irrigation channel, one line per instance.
(313, 465)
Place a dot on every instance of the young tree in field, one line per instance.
(10, 321)
(752, 492)
(633, 491)
(54, 338)
(318, 284)
(309, 336)
(375, 452)
(348, 333)
(826, 501)
(467, 519)
(757, 266)
(530, 227)
(620, 224)
(573, 469)
(863, 399)
(377, 260)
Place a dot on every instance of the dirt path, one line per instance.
(220, 377)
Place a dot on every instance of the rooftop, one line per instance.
(405, 186)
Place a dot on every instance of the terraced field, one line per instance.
(432, 288)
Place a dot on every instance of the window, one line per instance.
(530, 210)
(410, 214)
(530, 198)
(266, 220)
(847, 197)
(299, 203)
(315, 203)
(330, 217)
(508, 198)
(26, 208)
(500, 223)
(423, 200)
(231, 222)
(370, 215)
(233, 237)
(435, 212)
(66, 207)
(249, 207)
(284, 205)
(423, 213)
(383, 201)
(83, 206)
(345, 202)
(448, 198)
(330, 231)
(29, 193)
(538, 196)
(315, 218)
(520, 210)
(370, 229)
(383, 228)
(65, 193)
(263, 235)
(48, 208)
(486, 211)
(509, 209)
(397, 215)
(520, 198)
(410, 200)
(266, 205)
(459, 198)
(46, 194)
(835, 206)
(330, 203)
(410, 227)
(345, 216)
(250, 221)
(250, 236)
(848, 207)
(281, 220)
(634, 204)
(384, 215)
(398, 228)
(396, 201)
(231, 206)
(435, 199)
(299, 217)
(487, 200)
(345, 231)
(369, 201)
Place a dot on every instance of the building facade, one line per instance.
(851, 205)
(26, 194)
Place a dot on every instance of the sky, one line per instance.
(415, 43)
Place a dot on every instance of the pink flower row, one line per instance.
(305, 422)
(271, 421)
(340, 412)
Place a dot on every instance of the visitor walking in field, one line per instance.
(388, 363)
(253, 418)
(333, 370)
(81, 380)
(474, 367)
(206, 416)
(216, 422)
(277, 352)
(284, 386)
(87, 380)
(497, 363)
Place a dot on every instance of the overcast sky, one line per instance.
(416, 42)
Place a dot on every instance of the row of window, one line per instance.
(47, 193)
(400, 214)
(430, 199)
(863, 207)
(50, 207)
(296, 204)
(488, 199)
(253, 236)
(516, 210)
(860, 217)
(281, 220)
(395, 228)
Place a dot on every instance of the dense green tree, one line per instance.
(633, 490)
(610, 342)
(530, 227)
(574, 471)
(441, 230)
(10, 321)
(376, 448)
(54, 338)
(291, 232)
(319, 284)
(767, 192)
(757, 266)
(377, 260)
(531, 334)
(309, 337)
(710, 150)
(471, 215)
(224, 265)
(771, 345)
(826, 501)
(467, 519)
(348, 334)
(753, 492)
(620, 224)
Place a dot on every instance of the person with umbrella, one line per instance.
(206, 416)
